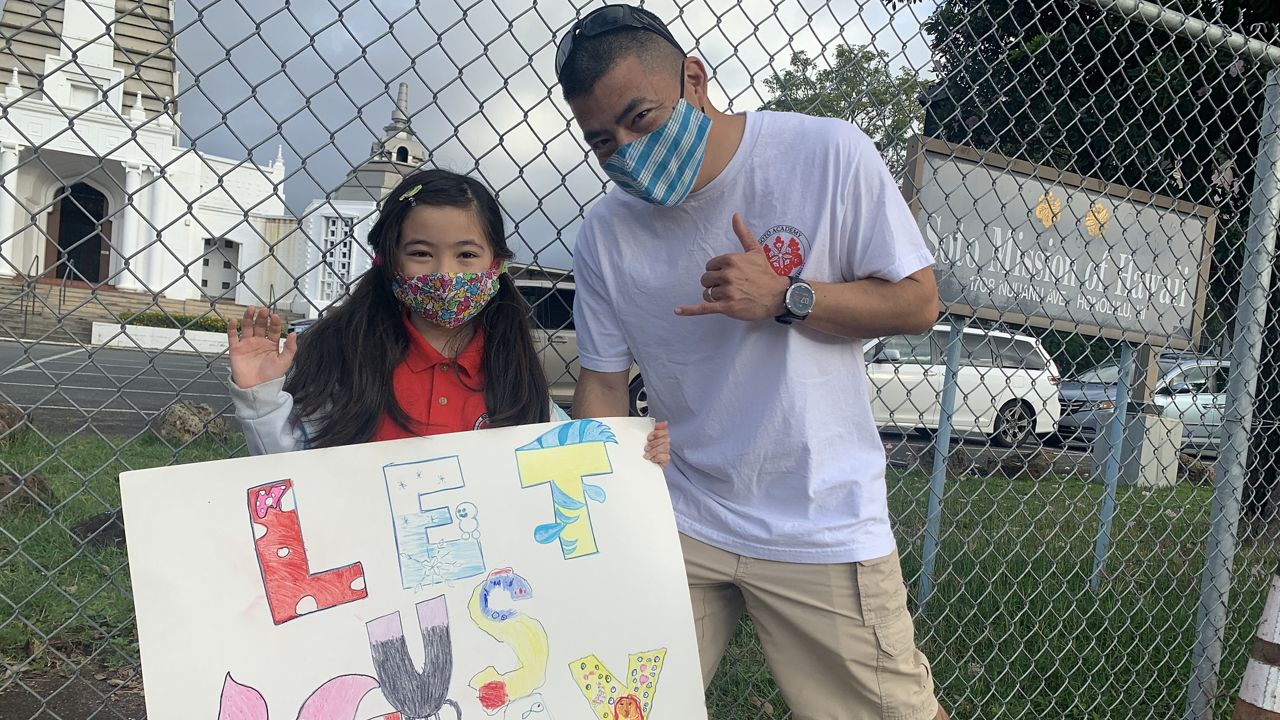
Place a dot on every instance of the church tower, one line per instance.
(396, 154)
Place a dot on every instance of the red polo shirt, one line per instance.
(440, 395)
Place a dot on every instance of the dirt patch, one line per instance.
(87, 694)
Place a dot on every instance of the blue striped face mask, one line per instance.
(662, 166)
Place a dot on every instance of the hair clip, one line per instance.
(408, 195)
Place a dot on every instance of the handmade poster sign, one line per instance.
(521, 573)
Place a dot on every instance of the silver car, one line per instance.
(1190, 388)
(550, 292)
(553, 335)
(1197, 396)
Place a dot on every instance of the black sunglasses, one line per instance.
(608, 19)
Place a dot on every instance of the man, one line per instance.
(737, 262)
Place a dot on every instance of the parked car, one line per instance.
(554, 338)
(1189, 388)
(556, 342)
(301, 325)
(1006, 385)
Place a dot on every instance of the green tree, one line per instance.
(859, 86)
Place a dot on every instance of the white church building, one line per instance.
(334, 253)
(95, 189)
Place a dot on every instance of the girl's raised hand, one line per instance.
(658, 449)
(256, 356)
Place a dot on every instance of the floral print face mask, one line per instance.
(448, 299)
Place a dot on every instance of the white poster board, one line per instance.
(519, 573)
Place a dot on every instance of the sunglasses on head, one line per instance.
(608, 19)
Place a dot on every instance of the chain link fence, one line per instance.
(1083, 454)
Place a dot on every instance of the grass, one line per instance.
(58, 600)
(1013, 629)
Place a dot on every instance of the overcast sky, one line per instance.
(482, 94)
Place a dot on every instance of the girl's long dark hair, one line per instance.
(341, 377)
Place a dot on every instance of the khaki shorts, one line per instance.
(838, 638)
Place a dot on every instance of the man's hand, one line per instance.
(741, 285)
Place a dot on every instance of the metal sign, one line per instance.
(1028, 244)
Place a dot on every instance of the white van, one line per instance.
(1007, 386)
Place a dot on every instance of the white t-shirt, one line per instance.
(775, 452)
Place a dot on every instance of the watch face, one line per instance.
(800, 299)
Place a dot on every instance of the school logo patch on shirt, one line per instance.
(786, 248)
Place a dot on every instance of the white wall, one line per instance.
(234, 203)
(313, 224)
(184, 195)
(272, 277)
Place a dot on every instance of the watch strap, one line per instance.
(787, 317)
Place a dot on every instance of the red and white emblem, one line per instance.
(786, 248)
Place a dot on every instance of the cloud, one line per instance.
(322, 82)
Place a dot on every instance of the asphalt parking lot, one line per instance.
(116, 391)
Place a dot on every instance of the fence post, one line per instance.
(1116, 432)
(941, 451)
(1229, 470)
(1246, 346)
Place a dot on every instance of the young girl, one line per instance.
(434, 339)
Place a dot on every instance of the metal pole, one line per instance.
(1229, 470)
(1260, 247)
(941, 451)
(1150, 13)
(1115, 454)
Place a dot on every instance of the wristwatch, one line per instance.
(797, 302)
